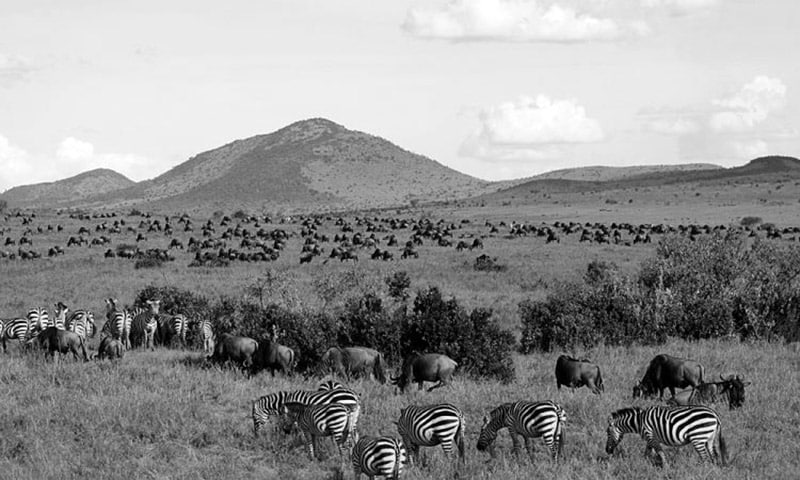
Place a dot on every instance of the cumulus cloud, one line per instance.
(72, 156)
(673, 126)
(681, 7)
(14, 68)
(530, 129)
(750, 106)
(514, 21)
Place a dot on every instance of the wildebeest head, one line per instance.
(289, 414)
(734, 387)
(643, 389)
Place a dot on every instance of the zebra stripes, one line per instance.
(144, 322)
(529, 420)
(320, 420)
(15, 328)
(177, 326)
(38, 319)
(329, 385)
(118, 323)
(61, 316)
(82, 323)
(273, 404)
(432, 425)
(671, 426)
(385, 456)
(207, 334)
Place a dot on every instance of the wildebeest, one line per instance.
(109, 348)
(575, 373)
(425, 367)
(236, 349)
(355, 362)
(273, 356)
(730, 388)
(61, 341)
(666, 371)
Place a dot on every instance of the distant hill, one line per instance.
(68, 190)
(309, 165)
(604, 174)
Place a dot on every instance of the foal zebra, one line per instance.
(314, 421)
(672, 426)
(528, 419)
(82, 323)
(374, 456)
(273, 404)
(431, 425)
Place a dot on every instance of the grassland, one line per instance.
(163, 414)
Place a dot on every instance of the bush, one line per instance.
(473, 340)
(485, 263)
(148, 262)
(750, 221)
(398, 283)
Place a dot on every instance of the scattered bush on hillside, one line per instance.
(3, 206)
(398, 283)
(750, 221)
(148, 262)
(485, 263)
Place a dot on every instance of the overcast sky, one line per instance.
(493, 88)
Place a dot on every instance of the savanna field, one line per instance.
(169, 414)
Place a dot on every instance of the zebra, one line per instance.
(272, 404)
(38, 319)
(173, 326)
(207, 334)
(671, 426)
(82, 323)
(320, 420)
(374, 456)
(528, 419)
(61, 316)
(329, 385)
(431, 425)
(144, 322)
(118, 322)
(15, 328)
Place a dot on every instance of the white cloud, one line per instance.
(749, 149)
(530, 129)
(673, 126)
(681, 7)
(72, 156)
(750, 106)
(515, 21)
(14, 68)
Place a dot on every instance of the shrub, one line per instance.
(148, 262)
(485, 263)
(398, 283)
(750, 221)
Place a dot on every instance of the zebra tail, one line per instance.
(723, 450)
(562, 418)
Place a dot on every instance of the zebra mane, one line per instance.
(625, 411)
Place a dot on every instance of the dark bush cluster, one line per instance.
(711, 287)
(485, 263)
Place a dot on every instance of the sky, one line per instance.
(496, 89)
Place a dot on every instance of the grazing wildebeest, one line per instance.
(355, 361)
(61, 341)
(109, 348)
(575, 373)
(666, 371)
(273, 356)
(425, 367)
(236, 349)
(730, 388)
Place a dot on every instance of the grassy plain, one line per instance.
(163, 415)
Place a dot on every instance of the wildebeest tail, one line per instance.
(379, 368)
(460, 438)
(600, 380)
(723, 449)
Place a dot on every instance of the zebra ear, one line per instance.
(485, 420)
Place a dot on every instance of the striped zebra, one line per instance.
(528, 419)
(330, 384)
(82, 323)
(206, 332)
(320, 420)
(15, 328)
(38, 319)
(375, 456)
(118, 322)
(432, 425)
(273, 404)
(671, 426)
(61, 316)
(173, 326)
(144, 322)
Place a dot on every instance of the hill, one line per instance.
(604, 174)
(80, 187)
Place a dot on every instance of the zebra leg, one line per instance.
(702, 448)
(515, 442)
(529, 447)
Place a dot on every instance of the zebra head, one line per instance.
(627, 420)
(491, 425)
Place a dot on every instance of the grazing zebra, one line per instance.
(672, 426)
(432, 425)
(314, 421)
(144, 322)
(528, 419)
(82, 323)
(14, 328)
(374, 456)
(61, 316)
(118, 322)
(273, 404)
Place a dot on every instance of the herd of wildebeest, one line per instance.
(333, 410)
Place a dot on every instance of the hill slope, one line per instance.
(605, 174)
(77, 188)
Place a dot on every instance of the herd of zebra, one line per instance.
(123, 328)
(333, 411)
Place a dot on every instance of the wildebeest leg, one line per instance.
(420, 384)
(440, 384)
(671, 391)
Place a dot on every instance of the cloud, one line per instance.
(530, 129)
(681, 7)
(72, 156)
(513, 21)
(14, 68)
(750, 106)
(673, 126)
